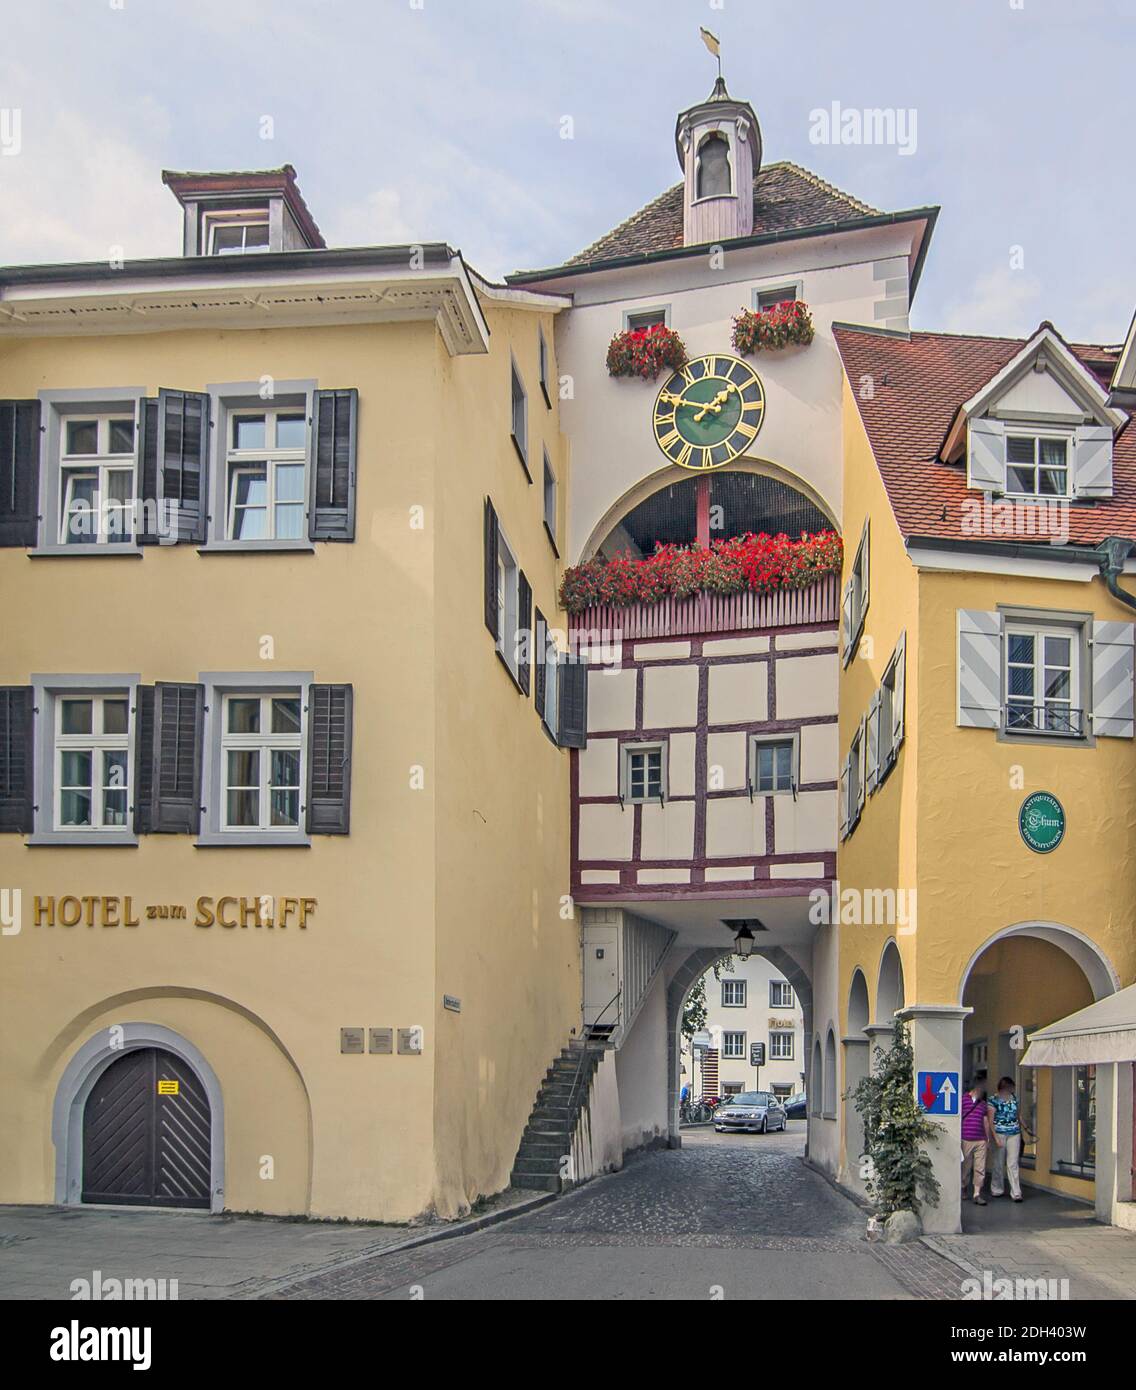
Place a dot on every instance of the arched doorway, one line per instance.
(1022, 979)
(147, 1129)
(889, 987)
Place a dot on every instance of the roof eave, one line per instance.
(927, 215)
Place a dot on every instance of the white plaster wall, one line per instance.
(611, 700)
(641, 1068)
(735, 826)
(668, 830)
(739, 693)
(606, 832)
(807, 685)
(608, 420)
(597, 1145)
(670, 697)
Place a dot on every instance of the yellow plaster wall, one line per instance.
(503, 799)
(401, 620)
(881, 852)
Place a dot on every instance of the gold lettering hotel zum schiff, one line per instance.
(226, 912)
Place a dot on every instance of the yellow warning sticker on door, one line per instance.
(167, 1088)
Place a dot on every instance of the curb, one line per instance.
(953, 1257)
(427, 1237)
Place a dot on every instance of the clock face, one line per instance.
(709, 412)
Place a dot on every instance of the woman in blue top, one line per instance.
(1007, 1141)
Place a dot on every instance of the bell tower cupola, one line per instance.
(719, 150)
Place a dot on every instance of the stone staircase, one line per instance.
(547, 1138)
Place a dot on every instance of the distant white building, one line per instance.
(751, 1003)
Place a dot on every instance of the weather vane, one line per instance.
(711, 42)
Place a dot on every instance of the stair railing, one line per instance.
(584, 1050)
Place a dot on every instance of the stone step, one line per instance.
(534, 1182)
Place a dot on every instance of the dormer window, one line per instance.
(713, 176)
(1037, 465)
(233, 233)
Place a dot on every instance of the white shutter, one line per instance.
(1112, 679)
(897, 723)
(986, 455)
(862, 770)
(843, 797)
(1092, 461)
(866, 587)
(873, 772)
(979, 669)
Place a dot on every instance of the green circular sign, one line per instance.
(1041, 822)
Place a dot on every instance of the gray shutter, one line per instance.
(986, 455)
(540, 630)
(846, 620)
(862, 770)
(865, 573)
(1092, 461)
(491, 569)
(524, 632)
(175, 798)
(330, 718)
(183, 459)
(19, 473)
(898, 725)
(979, 669)
(573, 692)
(147, 462)
(332, 468)
(143, 783)
(17, 760)
(1112, 679)
(872, 775)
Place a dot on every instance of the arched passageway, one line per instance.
(889, 986)
(857, 1062)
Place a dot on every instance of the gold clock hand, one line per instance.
(715, 405)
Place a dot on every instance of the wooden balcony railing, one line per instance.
(702, 613)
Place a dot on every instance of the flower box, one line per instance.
(645, 352)
(769, 330)
(745, 564)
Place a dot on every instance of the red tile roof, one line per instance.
(919, 383)
(785, 198)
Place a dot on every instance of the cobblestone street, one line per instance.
(728, 1216)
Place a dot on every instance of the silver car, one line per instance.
(754, 1112)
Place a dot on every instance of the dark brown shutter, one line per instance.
(540, 630)
(144, 758)
(573, 677)
(179, 718)
(17, 758)
(148, 472)
(19, 472)
(331, 512)
(491, 569)
(183, 459)
(524, 632)
(330, 709)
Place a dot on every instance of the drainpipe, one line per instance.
(1111, 555)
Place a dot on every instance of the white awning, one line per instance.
(1104, 1032)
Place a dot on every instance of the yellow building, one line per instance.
(287, 826)
(986, 726)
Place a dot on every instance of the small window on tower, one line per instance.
(232, 234)
(713, 178)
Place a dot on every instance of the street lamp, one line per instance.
(744, 941)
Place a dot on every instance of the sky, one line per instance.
(418, 120)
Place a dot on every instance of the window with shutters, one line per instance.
(1042, 680)
(550, 502)
(733, 994)
(1037, 465)
(261, 757)
(508, 585)
(97, 479)
(266, 453)
(733, 1044)
(519, 419)
(551, 713)
(887, 722)
(92, 761)
(772, 765)
(643, 772)
(780, 994)
(545, 369)
(853, 781)
(854, 601)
